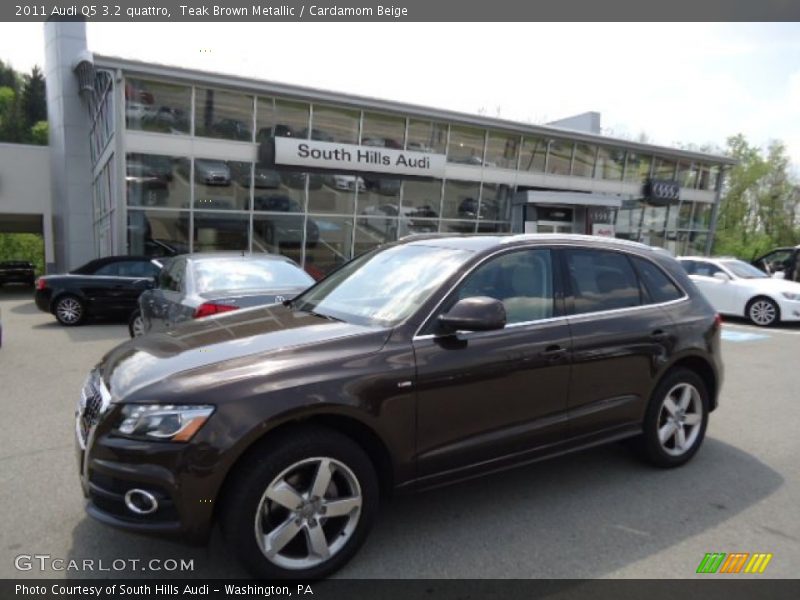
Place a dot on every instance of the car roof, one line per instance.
(222, 255)
(480, 242)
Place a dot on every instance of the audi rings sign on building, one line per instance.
(661, 190)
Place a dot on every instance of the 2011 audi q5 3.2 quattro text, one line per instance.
(423, 362)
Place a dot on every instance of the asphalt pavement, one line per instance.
(599, 513)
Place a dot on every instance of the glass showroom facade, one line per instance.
(200, 170)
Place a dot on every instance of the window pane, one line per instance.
(156, 106)
(154, 180)
(333, 124)
(560, 157)
(495, 202)
(218, 185)
(583, 165)
(523, 281)
(502, 150)
(423, 193)
(660, 288)
(334, 193)
(697, 243)
(426, 136)
(220, 231)
(109, 270)
(221, 114)
(378, 191)
(458, 226)
(629, 218)
(461, 200)
(687, 174)
(282, 234)
(610, 162)
(283, 199)
(637, 167)
(281, 118)
(378, 228)
(714, 173)
(534, 151)
(601, 280)
(386, 131)
(685, 215)
(157, 232)
(333, 247)
(702, 216)
(466, 145)
(665, 169)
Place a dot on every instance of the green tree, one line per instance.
(23, 246)
(758, 208)
(40, 133)
(34, 101)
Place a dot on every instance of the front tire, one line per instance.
(301, 506)
(763, 311)
(69, 310)
(676, 419)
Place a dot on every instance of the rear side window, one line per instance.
(602, 280)
(108, 270)
(706, 269)
(171, 277)
(658, 286)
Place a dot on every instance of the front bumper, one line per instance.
(790, 309)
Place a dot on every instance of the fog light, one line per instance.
(140, 502)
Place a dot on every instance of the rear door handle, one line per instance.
(659, 334)
(553, 353)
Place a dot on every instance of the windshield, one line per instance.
(384, 287)
(248, 274)
(743, 270)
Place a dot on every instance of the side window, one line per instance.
(140, 268)
(658, 286)
(109, 270)
(522, 280)
(602, 280)
(706, 269)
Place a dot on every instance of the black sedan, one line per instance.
(17, 271)
(198, 285)
(107, 287)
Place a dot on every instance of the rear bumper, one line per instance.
(42, 299)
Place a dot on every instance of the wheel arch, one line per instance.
(759, 296)
(704, 370)
(365, 436)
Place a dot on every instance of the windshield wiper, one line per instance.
(324, 316)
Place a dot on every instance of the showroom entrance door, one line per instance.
(553, 227)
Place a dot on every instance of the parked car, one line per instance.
(734, 287)
(393, 221)
(283, 230)
(781, 262)
(345, 182)
(206, 171)
(107, 287)
(198, 285)
(422, 362)
(17, 271)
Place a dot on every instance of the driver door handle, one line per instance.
(553, 352)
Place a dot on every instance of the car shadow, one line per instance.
(94, 330)
(578, 516)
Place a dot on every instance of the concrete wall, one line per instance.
(25, 197)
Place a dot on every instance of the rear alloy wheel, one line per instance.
(69, 310)
(136, 325)
(303, 507)
(676, 419)
(763, 312)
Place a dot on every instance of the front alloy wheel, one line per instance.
(300, 504)
(763, 312)
(308, 513)
(136, 325)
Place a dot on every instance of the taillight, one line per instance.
(41, 283)
(717, 320)
(211, 308)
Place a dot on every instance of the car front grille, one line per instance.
(90, 408)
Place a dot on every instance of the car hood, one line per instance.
(254, 344)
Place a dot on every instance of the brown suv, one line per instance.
(420, 363)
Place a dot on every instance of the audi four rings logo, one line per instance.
(665, 190)
(280, 299)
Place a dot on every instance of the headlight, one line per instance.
(791, 295)
(164, 422)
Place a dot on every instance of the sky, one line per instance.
(678, 83)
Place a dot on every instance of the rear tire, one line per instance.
(763, 312)
(136, 324)
(676, 420)
(69, 310)
(278, 512)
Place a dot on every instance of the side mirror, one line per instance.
(779, 275)
(479, 313)
(721, 276)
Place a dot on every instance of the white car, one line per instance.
(734, 287)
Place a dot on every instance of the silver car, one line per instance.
(194, 286)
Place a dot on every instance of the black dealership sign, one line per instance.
(662, 191)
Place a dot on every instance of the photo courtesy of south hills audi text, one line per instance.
(163, 589)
